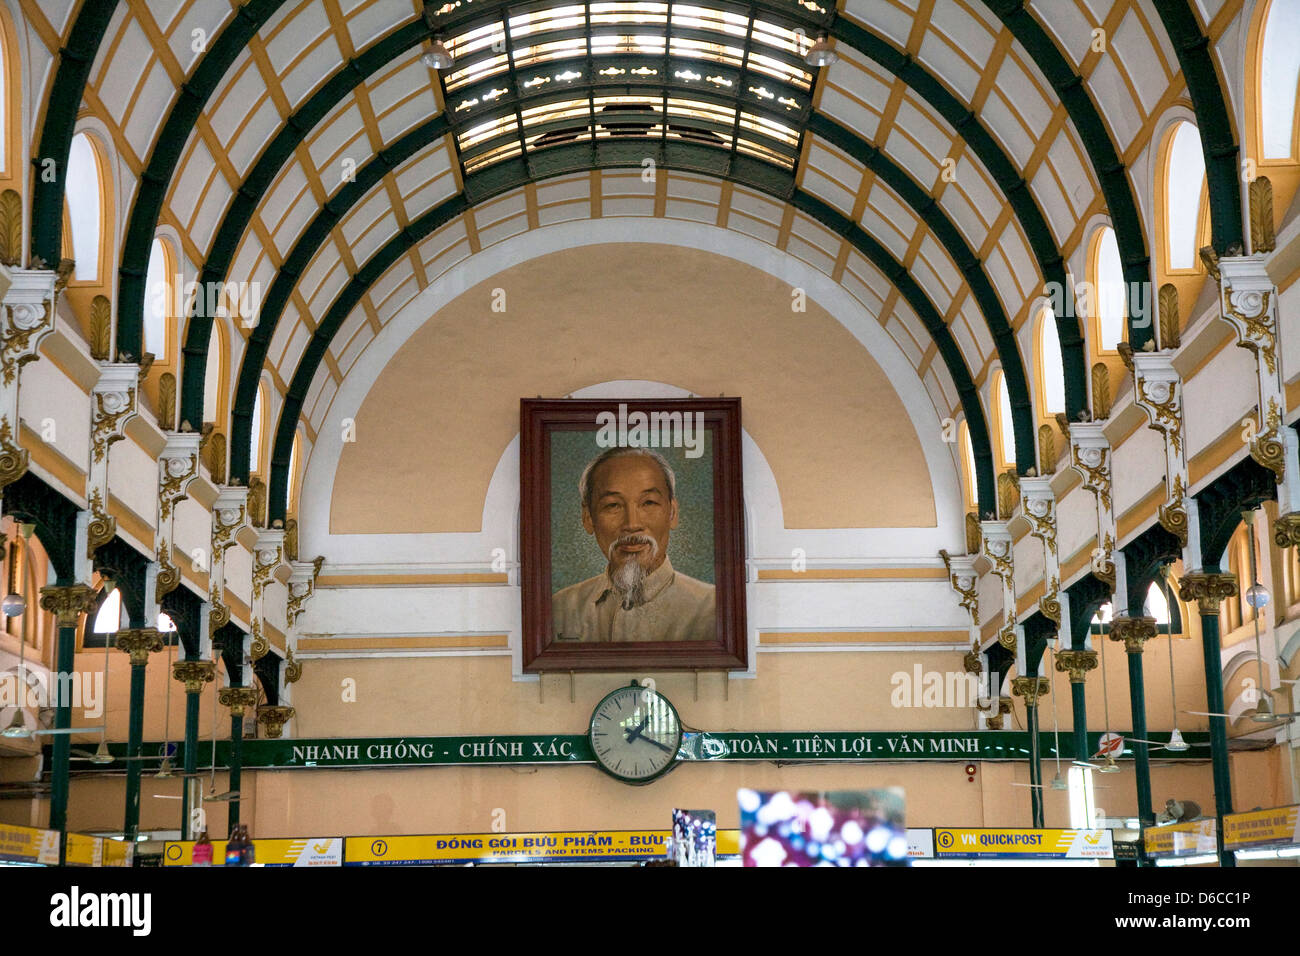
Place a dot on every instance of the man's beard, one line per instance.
(629, 577)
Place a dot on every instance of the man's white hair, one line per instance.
(584, 483)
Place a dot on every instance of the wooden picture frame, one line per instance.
(591, 627)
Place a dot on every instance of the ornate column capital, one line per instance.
(1004, 708)
(267, 556)
(1133, 631)
(273, 717)
(1286, 530)
(1076, 663)
(139, 642)
(68, 602)
(229, 515)
(1030, 688)
(1207, 589)
(238, 699)
(1090, 457)
(194, 674)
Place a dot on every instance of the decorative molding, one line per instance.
(1076, 663)
(26, 318)
(67, 602)
(1208, 590)
(1171, 334)
(194, 674)
(273, 717)
(1133, 631)
(1263, 237)
(139, 642)
(238, 699)
(1031, 688)
(113, 405)
(1286, 530)
(1046, 450)
(292, 668)
(1090, 456)
(1157, 390)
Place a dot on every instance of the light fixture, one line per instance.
(1257, 596)
(17, 727)
(101, 755)
(820, 53)
(1109, 766)
(1058, 783)
(1176, 742)
(438, 57)
(13, 605)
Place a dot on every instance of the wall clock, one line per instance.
(635, 734)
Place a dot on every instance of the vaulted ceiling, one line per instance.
(943, 170)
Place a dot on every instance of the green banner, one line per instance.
(785, 746)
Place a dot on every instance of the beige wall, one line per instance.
(442, 412)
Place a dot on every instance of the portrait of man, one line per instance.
(631, 526)
(629, 508)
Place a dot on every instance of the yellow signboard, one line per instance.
(506, 847)
(84, 850)
(29, 845)
(1194, 838)
(1024, 844)
(1262, 827)
(312, 851)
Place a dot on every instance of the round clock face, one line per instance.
(635, 734)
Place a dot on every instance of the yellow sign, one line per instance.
(1261, 827)
(313, 851)
(1043, 844)
(29, 845)
(506, 847)
(1194, 838)
(85, 850)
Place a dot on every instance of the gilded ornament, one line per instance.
(257, 502)
(292, 668)
(218, 616)
(1133, 631)
(178, 473)
(213, 450)
(1050, 605)
(28, 323)
(1207, 589)
(139, 642)
(1100, 391)
(167, 401)
(273, 717)
(1076, 663)
(1046, 450)
(168, 578)
(13, 459)
(1210, 260)
(1008, 493)
(1267, 447)
(102, 526)
(1263, 237)
(259, 646)
(1286, 530)
(973, 533)
(194, 674)
(112, 409)
(291, 539)
(101, 328)
(972, 662)
(1030, 688)
(11, 228)
(1173, 515)
(1170, 323)
(238, 699)
(1093, 463)
(1249, 312)
(1160, 400)
(1007, 636)
(67, 602)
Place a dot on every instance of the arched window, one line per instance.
(1279, 76)
(85, 206)
(214, 376)
(294, 484)
(967, 466)
(158, 302)
(1184, 182)
(1108, 295)
(255, 435)
(1051, 374)
(1006, 428)
(109, 619)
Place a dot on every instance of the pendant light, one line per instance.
(1057, 782)
(1257, 598)
(101, 755)
(1176, 743)
(821, 53)
(438, 57)
(14, 605)
(165, 768)
(1109, 766)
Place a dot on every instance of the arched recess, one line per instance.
(1213, 120)
(379, 263)
(75, 60)
(11, 108)
(1272, 27)
(228, 44)
(1109, 168)
(1050, 376)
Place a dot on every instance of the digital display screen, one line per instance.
(828, 828)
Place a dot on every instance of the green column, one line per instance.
(194, 674)
(1077, 662)
(139, 642)
(238, 699)
(1134, 632)
(1209, 587)
(67, 602)
(1032, 689)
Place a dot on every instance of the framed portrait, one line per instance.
(632, 535)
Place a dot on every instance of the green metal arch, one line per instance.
(75, 61)
(678, 158)
(370, 174)
(144, 215)
(1218, 143)
(1111, 172)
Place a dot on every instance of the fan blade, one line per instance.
(65, 730)
(217, 798)
(1206, 713)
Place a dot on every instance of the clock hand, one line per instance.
(634, 734)
(661, 746)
